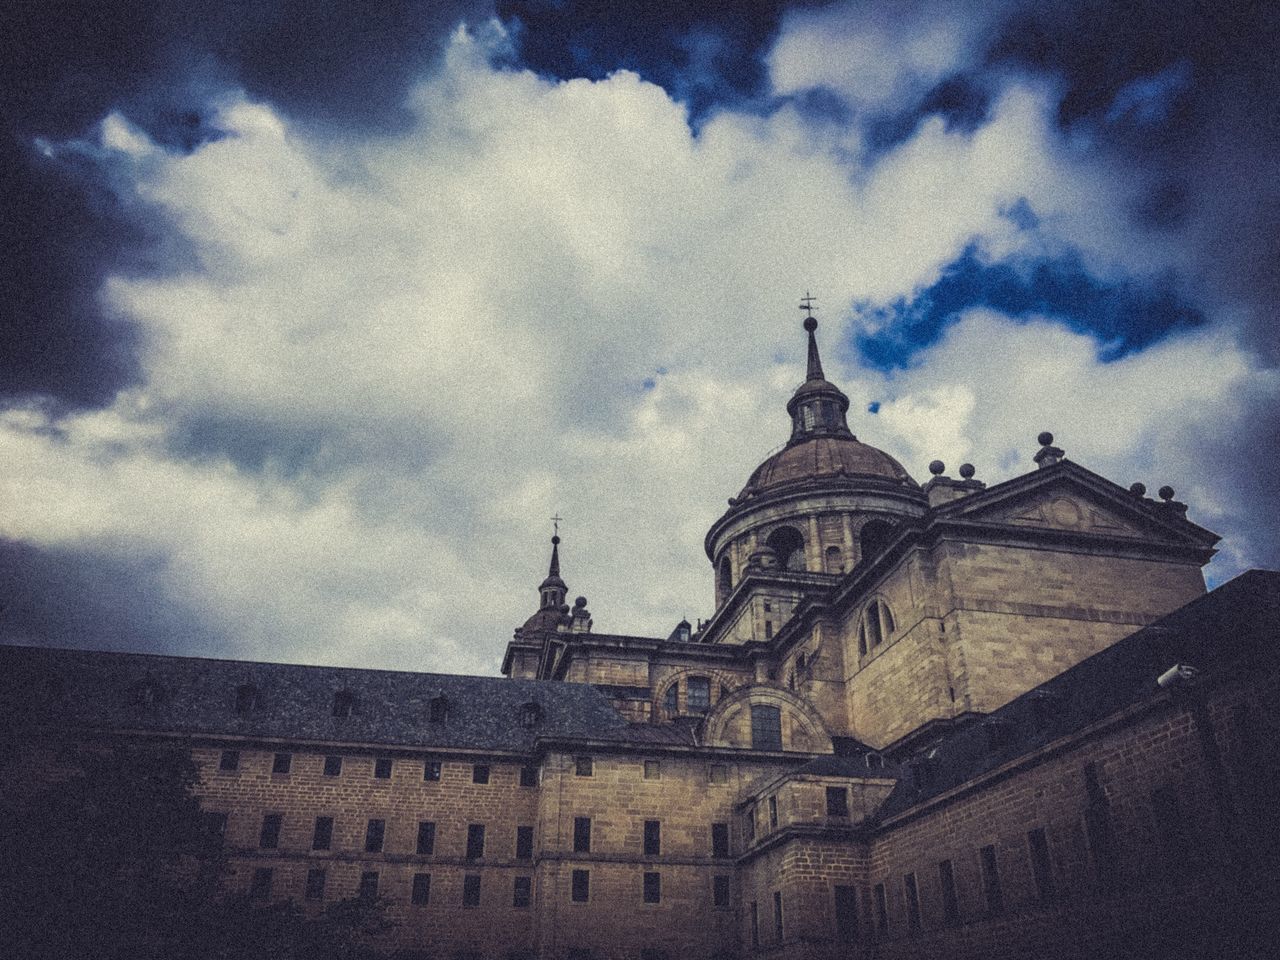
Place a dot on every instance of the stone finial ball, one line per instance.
(936, 468)
(811, 324)
(580, 602)
(967, 471)
(555, 541)
(1166, 493)
(1045, 438)
(1138, 489)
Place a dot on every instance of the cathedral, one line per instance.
(922, 720)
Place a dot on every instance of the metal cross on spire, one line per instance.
(806, 303)
(555, 522)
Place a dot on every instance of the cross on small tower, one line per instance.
(555, 521)
(806, 303)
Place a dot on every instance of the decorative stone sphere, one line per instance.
(580, 602)
(967, 471)
(1045, 438)
(1166, 493)
(1138, 489)
(936, 467)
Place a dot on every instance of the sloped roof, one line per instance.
(77, 688)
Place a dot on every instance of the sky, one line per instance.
(315, 314)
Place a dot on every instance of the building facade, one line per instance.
(922, 721)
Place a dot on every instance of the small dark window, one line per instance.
(438, 710)
(749, 822)
(773, 812)
(522, 892)
(653, 770)
(766, 727)
(718, 773)
(755, 924)
(421, 894)
(382, 768)
(528, 776)
(768, 629)
(282, 762)
(722, 890)
(426, 838)
(431, 770)
(530, 715)
(581, 886)
(213, 828)
(698, 694)
(475, 841)
(260, 885)
(882, 911)
(368, 885)
(1097, 824)
(653, 888)
(315, 884)
(269, 838)
(471, 890)
(950, 905)
(652, 838)
(322, 837)
(373, 836)
(913, 902)
(777, 915)
(720, 840)
(581, 834)
(480, 773)
(582, 766)
(991, 880)
(229, 761)
(332, 766)
(846, 913)
(837, 802)
(524, 843)
(1041, 865)
(671, 702)
(246, 698)
(344, 704)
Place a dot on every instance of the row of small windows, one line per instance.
(282, 763)
(837, 801)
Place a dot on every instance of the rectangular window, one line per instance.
(950, 905)
(581, 834)
(768, 629)
(749, 822)
(528, 776)
(991, 880)
(315, 884)
(718, 773)
(426, 838)
(698, 694)
(766, 727)
(322, 837)
(229, 761)
(281, 763)
(722, 890)
(653, 888)
(773, 812)
(652, 838)
(882, 911)
(1041, 865)
(582, 766)
(524, 843)
(269, 838)
(260, 885)
(846, 913)
(837, 802)
(475, 841)
(421, 894)
(581, 886)
(652, 770)
(777, 915)
(373, 836)
(431, 770)
(913, 902)
(480, 773)
(522, 893)
(382, 768)
(471, 890)
(333, 766)
(1168, 823)
(720, 840)
(755, 924)
(368, 885)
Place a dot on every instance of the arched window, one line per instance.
(886, 620)
(874, 538)
(766, 727)
(671, 703)
(871, 621)
(788, 544)
(344, 704)
(247, 698)
(877, 624)
(726, 576)
(834, 560)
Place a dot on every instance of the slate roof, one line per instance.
(77, 688)
(1238, 623)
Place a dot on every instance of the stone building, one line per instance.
(922, 721)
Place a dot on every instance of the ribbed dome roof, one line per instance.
(824, 457)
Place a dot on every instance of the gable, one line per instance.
(1065, 510)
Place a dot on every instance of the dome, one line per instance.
(825, 457)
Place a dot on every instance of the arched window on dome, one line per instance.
(874, 538)
(834, 560)
(788, 544)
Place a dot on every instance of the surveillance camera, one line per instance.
(1179, 675)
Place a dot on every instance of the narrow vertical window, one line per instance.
(333, 766)
(720, 840)
(382, 768)
(322, 836)
(269, 838)
(913, 902)
(1097, 824)
(846, 913)
(777, 915)
(421, 894)
(722, 891)
(315, 884)
(773, 812)
(260, 885)
(581, 834)
(471, 890)
(426, 838)
(653, 887)
(475, 841)
(882, 911)
(755, 924)
(373, 836)
(950, 905)
(581, 890)
(480, 773)
(652, 838)
(749, 823)
(671, 702)
(583, 767)
(766, 727)
(837, 802)
(528, 776)
(524, 843)
(991, 880)
(431, 770)
(522, 893)
(1041, 865)
(697, 693)
(281, 762)
(229, 761)
(368, 885)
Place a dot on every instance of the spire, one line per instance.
(817, 407)
(814, 371)
(555, 559)
(553, 590)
